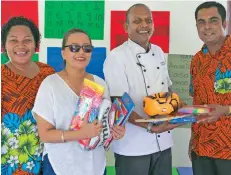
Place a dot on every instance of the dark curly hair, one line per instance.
(16, 21)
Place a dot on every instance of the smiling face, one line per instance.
(140, 25)
(80, 59)
(20, 44)
(210, 28)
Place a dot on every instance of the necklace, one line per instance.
(76, 88)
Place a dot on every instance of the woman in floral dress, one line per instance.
(21, 149)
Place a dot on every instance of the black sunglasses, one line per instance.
(76, 48)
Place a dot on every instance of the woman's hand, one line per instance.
(118, 132)
(90, 130)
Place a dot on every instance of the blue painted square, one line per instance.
(54, 59)
(185, 170)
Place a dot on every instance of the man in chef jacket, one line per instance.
(140, 69)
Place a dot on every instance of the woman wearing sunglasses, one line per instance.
(54, 106)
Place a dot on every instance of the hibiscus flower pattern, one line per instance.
(222, 83)
(20, 144)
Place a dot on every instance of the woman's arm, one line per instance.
(48, 133)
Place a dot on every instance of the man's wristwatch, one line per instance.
(149, 128)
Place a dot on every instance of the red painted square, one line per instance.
(28, 9)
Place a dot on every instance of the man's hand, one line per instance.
(217, 112)
(118, 132)
(182, 104)
(165, 126)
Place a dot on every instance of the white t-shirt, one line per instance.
(56, 102)
(128, 68)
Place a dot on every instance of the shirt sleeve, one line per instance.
(106, 92)
(44, 102)
(115, 75)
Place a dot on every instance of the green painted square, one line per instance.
(5, 59)
(60, 16)
(174, 171)
(110, 170)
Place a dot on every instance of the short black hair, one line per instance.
(72, 31)
(20, 21)
(210, 4)
(133, 6)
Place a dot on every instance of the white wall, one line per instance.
(183, 34)
(183, 40)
